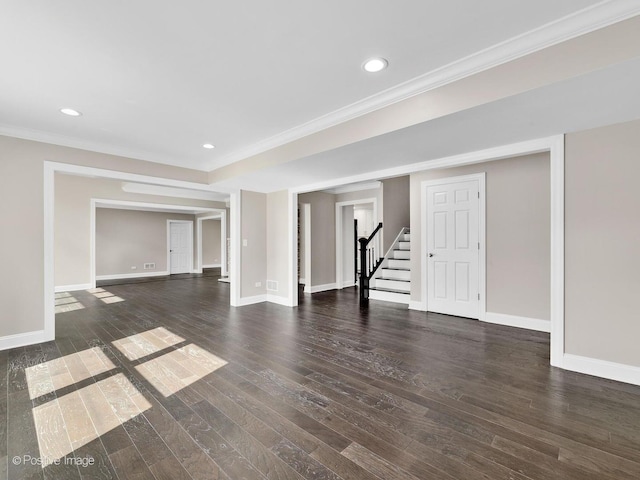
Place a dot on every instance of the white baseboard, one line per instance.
(22, 339)
(73, 288)
(421, 307)
(212, 265)
(242, 301)
(320, 288)
(302, 281)
(519, 322)
(348, 284)
(602, 368)
(121, 276)
(286, 301)
(224, 280)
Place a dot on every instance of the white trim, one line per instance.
(307, 244)
(320, 288)
(339, 205)
(84, 171)
(222, 216)
(235, 273)
(122, 276)
(302, 281)
(22, 339)
(557, 250)
(243, 301)
(271, 298)
(292, 298)
(519, 322)
(578, 23)
(482, 236)
(73, 288)
(190, 224)
(347, 284)
(602, 368)
(147, 189)
(358, 187)
(49, 313)
(419, 306)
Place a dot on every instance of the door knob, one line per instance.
(431, 254)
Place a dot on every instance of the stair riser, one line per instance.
(404, 245)
(401, 254)
(406, 237)
(393, 284)
(396, 274)
(404, 264)
(389, 296)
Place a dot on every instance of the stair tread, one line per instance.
(397, 269)
(394, 279)
(390, 290)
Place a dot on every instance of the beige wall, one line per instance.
(278, 241)
(323, 237)
(211, 248)
(396, 209)
(602, 249)
(22, 211)
(130, 238)
(73, 196)
(518, 233)
(253, 256)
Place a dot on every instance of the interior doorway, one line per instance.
(365, 213)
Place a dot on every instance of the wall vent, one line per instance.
(272, 285)
(149, 266)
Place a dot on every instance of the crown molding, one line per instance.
(595, 17)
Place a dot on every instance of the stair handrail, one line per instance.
(369, 262)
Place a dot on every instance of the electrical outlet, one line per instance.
(134, 267)
(245, 242)
(258, 284)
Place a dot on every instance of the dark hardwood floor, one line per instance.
(164, 380)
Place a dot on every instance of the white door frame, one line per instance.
(222, 215)
(190, 224)
(306, 207)
(482, 236)
(339, 232)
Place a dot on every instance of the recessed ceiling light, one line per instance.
(71, 112)
(374, 65)
(209, 146)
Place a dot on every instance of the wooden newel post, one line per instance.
(364, 275)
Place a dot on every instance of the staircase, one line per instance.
(392, 281)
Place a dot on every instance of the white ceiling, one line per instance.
(156, 80)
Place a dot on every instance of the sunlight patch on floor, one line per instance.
(61, 372)
(105, 295)
(65, 302)
(180, 368)
(146, 343)
(73, 420)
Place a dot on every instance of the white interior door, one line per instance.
(180, 245)
(453, 248)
